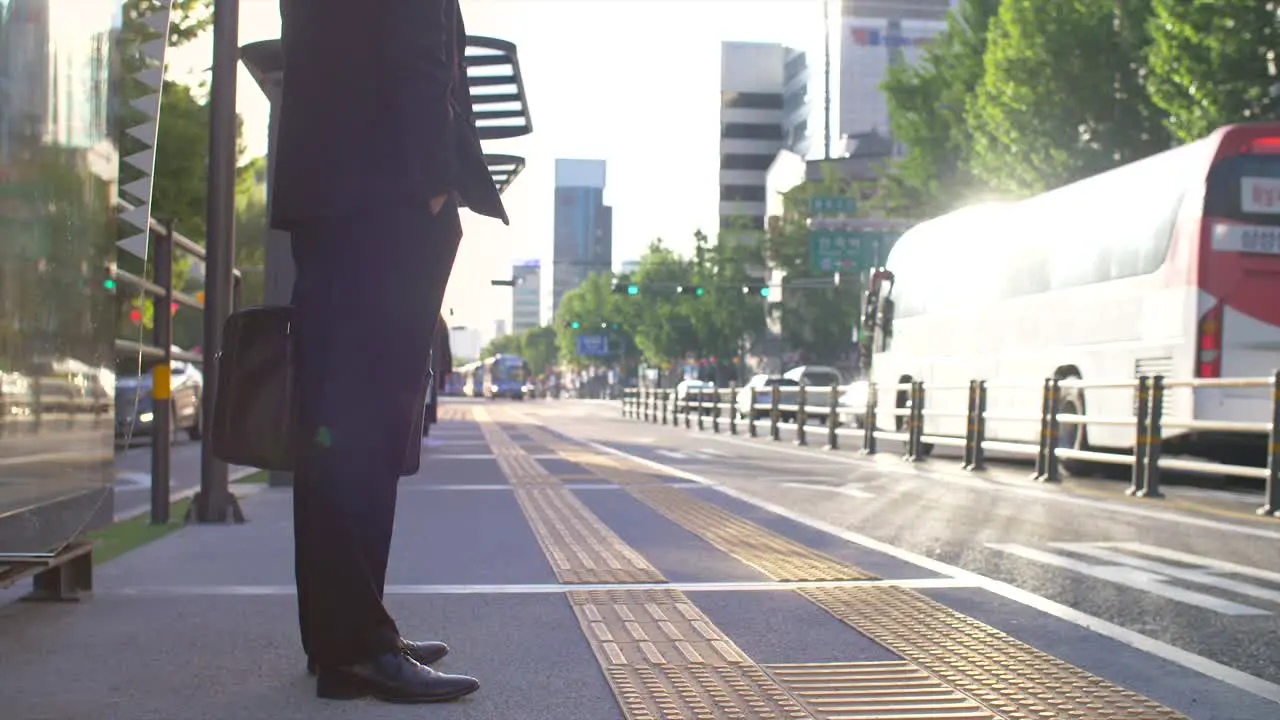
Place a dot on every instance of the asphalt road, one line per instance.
(1196, 570)
(133, 474)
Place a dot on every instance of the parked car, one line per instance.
(135, 410)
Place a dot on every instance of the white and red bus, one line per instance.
(1169, 265)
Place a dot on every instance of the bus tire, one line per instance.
(1074, 437)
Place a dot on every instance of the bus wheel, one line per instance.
(1072, 436)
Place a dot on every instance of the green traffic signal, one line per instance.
(109, 284)
(575, 324)
(633, 289)
(699, 291)
(764, 291)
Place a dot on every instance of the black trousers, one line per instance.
(367, 297)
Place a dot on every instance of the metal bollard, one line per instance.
(1138, 482)
(774, 433)
(701, 407)
(624, 402)
(833, 419)
(1155, 418)
(1046, 406)
(869, 420)
(1052, 466)
(915, 423)
(733, 409)
(715, 409)
(688, 407)
(980, 430)
(970, 424)
(752, 431)
(802, 416)
(1271, 504)
(666, 410)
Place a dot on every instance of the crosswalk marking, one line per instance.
(1153, 576)
(852, 490)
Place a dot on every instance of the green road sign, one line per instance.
(832, 205)
(845, 250)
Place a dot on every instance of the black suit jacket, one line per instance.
(441, 355)
(375, 110)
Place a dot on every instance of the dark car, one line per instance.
(135, 409)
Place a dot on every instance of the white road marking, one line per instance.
(850, 490)
(539, 588)
(134, 479)
(1199, 663)
(1190, 559)
(673, 454)
(1201, 576)
(1130, 575)
(1123, 507)
(713, 451)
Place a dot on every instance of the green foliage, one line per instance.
(927, 102)
(1212, 62)
(816, 323)
(1061, 97)
(540, 349)
(503, 345)
(591, 304)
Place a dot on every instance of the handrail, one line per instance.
(792, 408)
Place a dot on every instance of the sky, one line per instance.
(633, 82)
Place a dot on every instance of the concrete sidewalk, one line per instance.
(541, 563)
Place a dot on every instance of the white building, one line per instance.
(751, 128)
(465, 343)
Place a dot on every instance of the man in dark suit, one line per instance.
(377, 150)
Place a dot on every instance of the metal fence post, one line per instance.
(1155, 417)
(1138, 483)
(802, 415)
(624, 402)
(666, 407)
(869, 420)
(980, 430)
(161, 383)
(1271, 503)
(970, 424)
(733, 409)
(915, 423)
(752, 430)
(688, 407)
(1052, 466)
(702, 425)
(715, 409)
(774, 397)
(833, 420)
(1046, 408)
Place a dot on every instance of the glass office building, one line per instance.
(59, 168)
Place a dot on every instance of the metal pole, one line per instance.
(161, 387)
(214, 502)
(826, 79)
(1155, 416)
(833, 420)
(1138, 483)
(802, 416)
(1271, 506)
(1052, 466)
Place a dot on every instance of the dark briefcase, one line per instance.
(256, 401)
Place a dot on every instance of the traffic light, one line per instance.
(135, 316)
(109, 284)
(694, 290)
(756, 289)
(573, 324)
(622, 285)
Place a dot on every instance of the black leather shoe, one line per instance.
(423, 653)
(393, 677)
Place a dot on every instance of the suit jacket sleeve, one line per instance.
(418, 58)
(444, 356)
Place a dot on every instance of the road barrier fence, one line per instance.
(697, 405)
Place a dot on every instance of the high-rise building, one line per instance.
(867, 38)
(752, 114)
(465, 343)
(526, 296)
(583, 226)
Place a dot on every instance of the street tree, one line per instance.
(508, 344)
(816, 323)
(662, 320)
(726, 320)
(927, 103)
(1061, 97)
(540, 349)
(583, 310)
(1213, 62)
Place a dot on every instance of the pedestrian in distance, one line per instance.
(377, 151)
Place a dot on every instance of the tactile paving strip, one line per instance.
(580, 547)
(667, 661)
(875, 691)
(1009, 677)
(772, 554)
